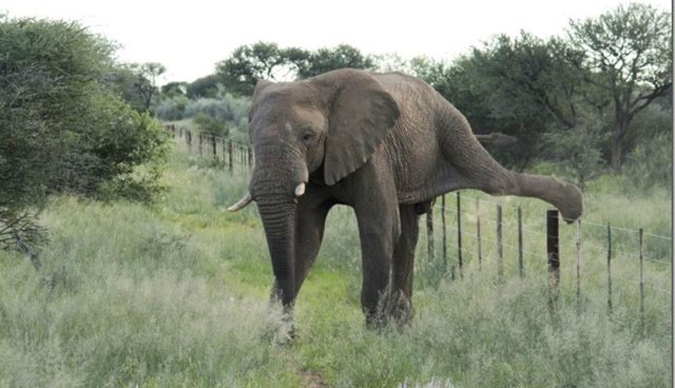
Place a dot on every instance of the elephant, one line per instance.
(385, 144)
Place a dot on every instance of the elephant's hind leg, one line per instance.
(403, 263)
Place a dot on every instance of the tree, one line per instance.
(327, 59)
(146, 81)
(174, 89)
(518, 86)
(250, 63)
(122, 79)
(629, 52)
(204, 87)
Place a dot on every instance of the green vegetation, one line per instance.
(146, 279)
(176, 294)
(63, 127)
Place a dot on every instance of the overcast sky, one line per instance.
(189, 37)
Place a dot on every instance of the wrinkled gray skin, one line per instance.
(384, 144)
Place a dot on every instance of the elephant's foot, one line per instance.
(395, 307)
(402, 311)
(282, 328)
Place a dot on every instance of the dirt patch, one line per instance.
(310, 379)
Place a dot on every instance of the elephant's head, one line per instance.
(328, 125)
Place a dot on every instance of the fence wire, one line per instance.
(489, 245)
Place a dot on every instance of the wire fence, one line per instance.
(473, 234)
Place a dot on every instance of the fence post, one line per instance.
(480, 250)
(642, 283)
(459, 236)
(578, 244)
(188, 139)
(229, 155)
(201, 140)
(500, 251)
(520, 241)
(445, 241)
(609, 268)
(213, 143)
(553, 253)
(250, 156)
(430, 233)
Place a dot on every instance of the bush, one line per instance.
(227, 108)
(63, 128)
(210, 126)
(172, 109)
(577, 150)
(650, 163)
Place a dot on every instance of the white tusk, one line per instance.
(242, 203)
(300, 190)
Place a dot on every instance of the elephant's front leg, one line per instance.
(379, 229)
(309, 227)
(404, 260)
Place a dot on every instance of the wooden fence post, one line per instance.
(188, 139)
(250, 156)
(642, 283)
(520, 241)
(480, 250)
(445, 241)
(430, 233)
(213, 144)
(553, 253)
(500, 251)
(609, 268)
(459, 236)
(229, 155)
(578, 244)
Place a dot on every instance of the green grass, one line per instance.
(176, 295)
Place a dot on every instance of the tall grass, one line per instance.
(176, 295)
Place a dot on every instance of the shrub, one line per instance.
(577, 150)
(172, 109)
(63, 128)
(210, 126)
(650, 163)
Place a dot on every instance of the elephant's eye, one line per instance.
(307, 137)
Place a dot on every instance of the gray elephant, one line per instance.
(384, 144)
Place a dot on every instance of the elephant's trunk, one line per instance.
(279, 177)
(278, 216)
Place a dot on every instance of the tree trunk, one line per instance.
(617, 148)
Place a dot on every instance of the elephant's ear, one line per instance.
(360, 115)
(257, 93)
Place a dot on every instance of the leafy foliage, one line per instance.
(204, 87)
(629, 52)
(146, 80)
(250, 63)
(211, 126)
(327, 59)
(62, 126)
(577, 151)
(650, 163)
